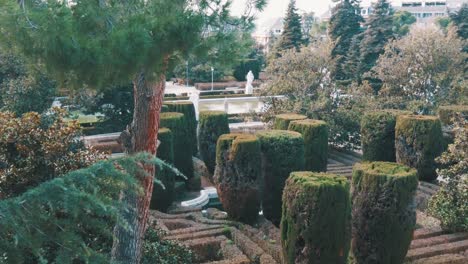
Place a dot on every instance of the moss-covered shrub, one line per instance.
(181, 136)
(212, 125)
(282, 153)
(383, 212)
(378, 135)
(315, 133)
(166, 146)
(282, 120)
(418, 141)
(187, 108)
(447, 113)
(315, 227)
(238, 168)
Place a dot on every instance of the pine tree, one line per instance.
(344, 25)
(97, 43)
(292, 30)
(460, 19)
(378, 32)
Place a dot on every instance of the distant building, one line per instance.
(270, 29)
(426, 12)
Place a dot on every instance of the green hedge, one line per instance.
(238, 168)
(212, 125)
(418, 141)
(162, 198)
(188, 109)
(182, 151)
(282, 153)
(378, 135)
(447, 112)
(383, 217)
(315, 227)
(282, 121)
(315, 133)
(166, 147)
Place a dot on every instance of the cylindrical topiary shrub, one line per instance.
(187, 108)
(166, 146)
(418, 141)
(447, 113)
(315, 227)
(282, 120)
(383, 212)
(282, 153)
(378, 135)
(238, 168)
(212, 124)
(181, 138)
(162, 198)
(315, 133)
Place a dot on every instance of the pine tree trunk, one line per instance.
(140, 136)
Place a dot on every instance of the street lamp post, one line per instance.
(186, 74)
(212, 70)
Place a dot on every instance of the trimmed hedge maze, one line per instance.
(383, 212)
(315, 227)
(188, 109)
(237, 170)
(418, 141)
(315, 133)
(212, 124)
(166, 147)
(282, 153)
(447, 112)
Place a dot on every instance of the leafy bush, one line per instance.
(188, 109)
(157, 250)
(418, 141)
(450, 203)
(282, 120)
(69, 219)
(36, 148)
(213, 124)
(383, 213)
(282, 153)
(448, 112)
(236, 175)
(181, 136)
(315, 227)
(315, 133)
(378, 135)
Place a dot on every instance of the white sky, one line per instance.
(277, 8)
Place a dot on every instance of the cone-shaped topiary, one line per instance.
(282, 153)
(187, 108)
(238, 168)
(383, 213)
(418, 141)
(447, 113)
(315, 133)
(315, 227)
(282, 121)
(378, 135)
(182, 151)
(212, 125)
(166, 147)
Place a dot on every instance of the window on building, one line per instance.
(363, 11)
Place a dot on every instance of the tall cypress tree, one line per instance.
(344, 25)
(378, 32)
(292, 30)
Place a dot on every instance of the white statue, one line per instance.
(195, 99)
(226, 105)
(248, 87)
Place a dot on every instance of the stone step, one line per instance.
(427, 190)
(440, 249)
(425, 233)
(192, 230)
(344, 160)
(443, 259)
(432, 186)
(425, 242)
